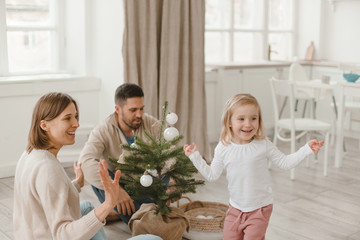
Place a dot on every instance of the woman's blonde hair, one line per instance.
(234, 102)
(48, 107)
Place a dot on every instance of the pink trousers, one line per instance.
(240, 225)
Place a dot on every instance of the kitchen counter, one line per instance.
(264, 64)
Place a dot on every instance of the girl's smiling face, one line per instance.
(61, 130)
(244, 123)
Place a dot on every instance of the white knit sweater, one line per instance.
(46, 202)
(247, 172)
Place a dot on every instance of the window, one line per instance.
(29, 37)
(243, 30)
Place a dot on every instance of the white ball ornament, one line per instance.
(146, 180)
(170, 133)
(133, 145)
(171, 118)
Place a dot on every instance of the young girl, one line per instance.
(243, 151)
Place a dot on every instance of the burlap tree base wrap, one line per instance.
(170, 226)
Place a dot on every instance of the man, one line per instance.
(106, 139)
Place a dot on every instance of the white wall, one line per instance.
(308, 22)
(334, 31)
(94, 48)
(341, 35)
(74, 39)
(105, 32)
(94, 44)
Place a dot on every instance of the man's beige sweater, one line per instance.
(105, 141)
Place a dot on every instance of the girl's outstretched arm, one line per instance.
(210, 173)
(315, 145)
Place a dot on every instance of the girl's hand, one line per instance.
(190, 149)
(315, 145)
(111, 187)
(79, 175)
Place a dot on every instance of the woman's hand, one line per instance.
(111, 187)
(114, 194)
(79, 175)
(190, 149)
(315, 145)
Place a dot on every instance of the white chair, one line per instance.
(298, 127)
(299, 77)
(351, 106)
(346, 90)
(297, 74)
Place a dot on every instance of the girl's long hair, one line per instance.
(231, 104)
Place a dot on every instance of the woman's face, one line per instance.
(61, 130)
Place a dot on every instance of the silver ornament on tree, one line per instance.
(146, 180)
(171, 118)
(170, 133)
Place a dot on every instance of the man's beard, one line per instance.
(133, 126)
(130, 124)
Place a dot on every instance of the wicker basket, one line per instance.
(210, 225)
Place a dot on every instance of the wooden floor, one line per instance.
(310, 207)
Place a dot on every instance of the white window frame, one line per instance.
(57, 25)
(264, 31)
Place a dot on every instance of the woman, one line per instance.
(46, 202)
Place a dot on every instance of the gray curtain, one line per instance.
(163, 51)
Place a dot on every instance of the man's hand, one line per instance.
(125, 204)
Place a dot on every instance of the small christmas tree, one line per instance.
(144, 172)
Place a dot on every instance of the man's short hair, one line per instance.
(125, 91)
